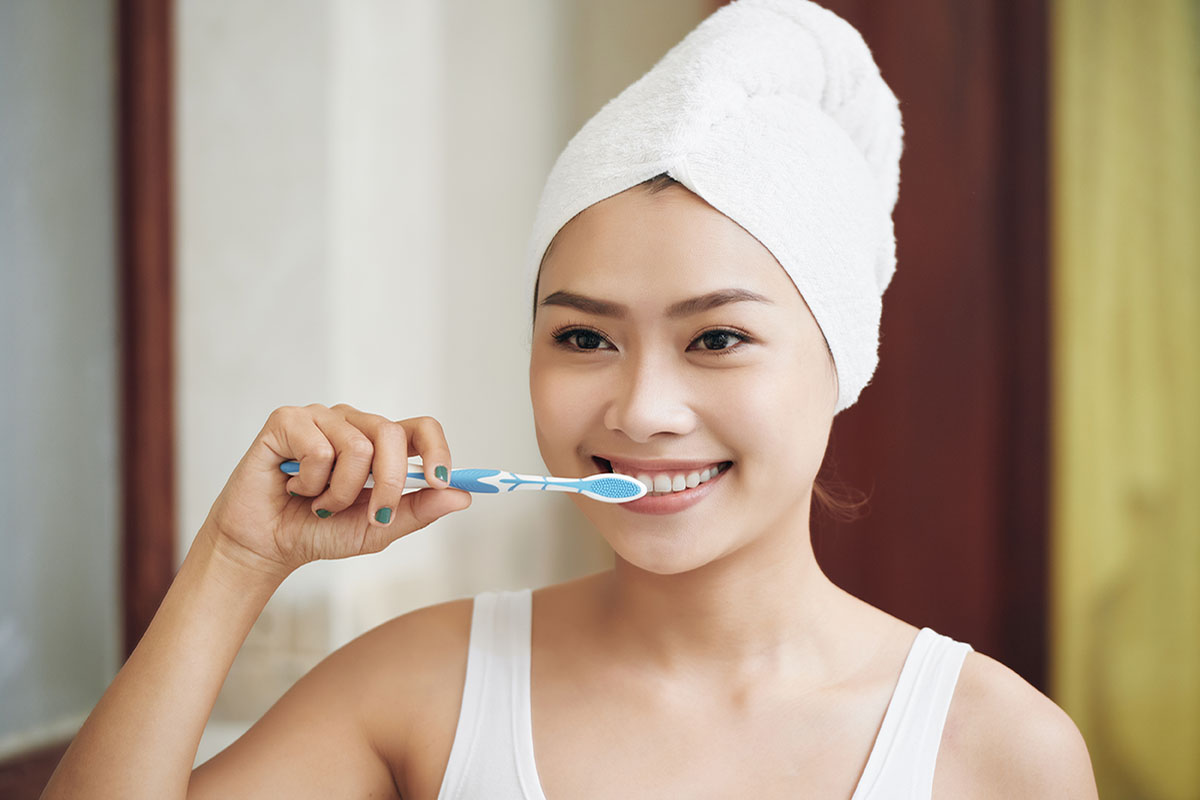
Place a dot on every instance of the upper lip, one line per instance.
(636, 465)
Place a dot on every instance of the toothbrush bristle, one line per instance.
(615, 488)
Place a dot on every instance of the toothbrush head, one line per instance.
(612, 487)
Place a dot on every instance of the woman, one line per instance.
(703, 350)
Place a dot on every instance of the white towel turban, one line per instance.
(774, 112)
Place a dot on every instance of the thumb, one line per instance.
(457, 500)
(428, 505)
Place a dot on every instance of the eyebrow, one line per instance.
(684, 308)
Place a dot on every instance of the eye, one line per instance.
(577, 335)
(720, 336)
(577, 339)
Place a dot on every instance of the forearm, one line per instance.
(141, 738)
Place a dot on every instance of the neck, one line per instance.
(765, 610)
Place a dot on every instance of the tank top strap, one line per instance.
(488, 753)
(902, 761)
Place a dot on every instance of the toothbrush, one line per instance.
(607, 487)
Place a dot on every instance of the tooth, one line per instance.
(666, 484)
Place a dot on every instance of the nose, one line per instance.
(649, 396)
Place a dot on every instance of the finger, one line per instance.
(296, 436)
(429, 442)
(390, 470)
(352, 462)
(389, 467)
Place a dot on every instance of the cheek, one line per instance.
(564, 403)
(783, 423)
(558, 393)
(756, 416)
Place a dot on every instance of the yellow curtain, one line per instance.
(1125, 562)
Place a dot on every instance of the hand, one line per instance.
(269, 520)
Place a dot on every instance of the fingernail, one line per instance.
(441, 473)
(383, 515)
(293, 494)
(323, 514)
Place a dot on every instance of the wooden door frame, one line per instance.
(147, 311)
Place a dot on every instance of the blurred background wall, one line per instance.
(1126, 521)
(59, 486)
(349, 187)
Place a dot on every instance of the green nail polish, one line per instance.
(383, 515)
(323, 514)
(293, 494)
(441, 474)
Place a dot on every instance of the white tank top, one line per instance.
(492, 754)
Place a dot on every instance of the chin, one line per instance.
(661, 552)
(662, 566)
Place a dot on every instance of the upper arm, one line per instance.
(1013, 740)
(344, 728)
(1055, 757)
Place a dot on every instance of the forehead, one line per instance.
(663, 246)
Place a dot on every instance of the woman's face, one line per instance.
(748, 382)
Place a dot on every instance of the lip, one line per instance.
(676, 501)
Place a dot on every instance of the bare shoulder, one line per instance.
(1003, 738)
(354, 715)
(419, 666)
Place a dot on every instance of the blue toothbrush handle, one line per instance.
(469, 480)
(607, 488)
